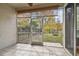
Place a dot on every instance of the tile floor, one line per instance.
(34, 50)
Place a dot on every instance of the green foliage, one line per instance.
(51, 38)
(35, 23)
(23, 23)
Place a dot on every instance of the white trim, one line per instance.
(75, 29)
(68, 52)
(64, 25)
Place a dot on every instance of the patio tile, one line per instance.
(40, 49)
(29, 50)
(43, 54)
(53, 44)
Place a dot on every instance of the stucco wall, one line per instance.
(7, 26)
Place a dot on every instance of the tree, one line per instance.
(23, 23)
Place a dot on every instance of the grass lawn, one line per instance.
(51, 38)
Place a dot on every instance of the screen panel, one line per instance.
(69, 28)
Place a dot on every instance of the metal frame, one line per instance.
(32, 31)
(30, 28)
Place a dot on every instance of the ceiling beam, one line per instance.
(38, 8)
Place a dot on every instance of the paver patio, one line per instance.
(48, 49)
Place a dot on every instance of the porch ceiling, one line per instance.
(25, 7)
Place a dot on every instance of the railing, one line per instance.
(23, 37)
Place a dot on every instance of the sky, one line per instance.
(60, 15)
